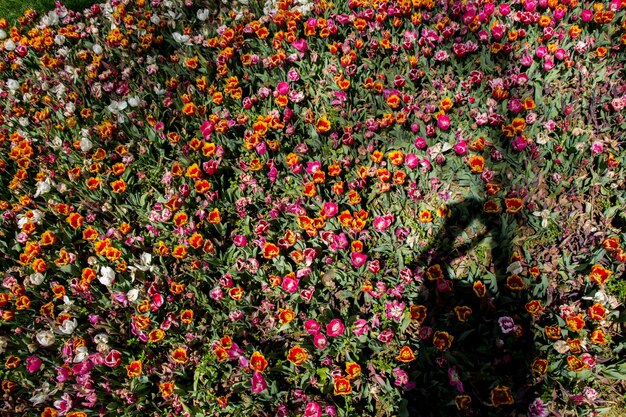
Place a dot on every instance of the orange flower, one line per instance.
(406, 354)
(22, 303)
(477, 164)
(297, 355)
(166, 389)
(179, 252)
(270, 250)
(342, 386)
(599, 274)
(597, 337)
(539, 366)
(513, 205)
(442, 340)
(236, 293)
(576, 323)
(215, 216)
(462, 401)
(48, 238)
(186, 316)
(49, 412)
(286, 316)
(322, 125)
(534, 307)
(134, 369)
(353, 370)
(118, 186)
(258, 362)
(479, 289)
(75, 220)
(597, 312)
(463, 313)
(434, 272)
(179, 356)
(575, 364)
(426, 216)
(93, 183)
(553, 332)
(156, 335)
(515, 283)
(418, 313)
(501, 395)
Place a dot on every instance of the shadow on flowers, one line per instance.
(477, 348)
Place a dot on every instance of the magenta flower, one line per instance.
(357, 259)
(443, 121)
(33, 363)
(258, 383)
(335, 328)
(313, 409)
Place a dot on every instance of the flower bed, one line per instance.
(358, 208)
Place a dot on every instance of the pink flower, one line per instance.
(360, 327)
(240, 240)
(330, 209)
(443, 121)
(300, 45)
(460, 147)
(33, 363)
(313, 409)
(320, 341)
(358, 259)
(411, 161)
(258, 383)
(586, 15)
(207, 128)
(282, 88)
(290, 284)
(335, 328)
(312, 326)
(113, 359)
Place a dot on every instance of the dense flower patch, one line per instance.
(364, 207)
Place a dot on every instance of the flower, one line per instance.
(501, 395)
(406, 354)
(442, 340)
(297, 355)
(258, 362)
(134, 369)
(342, 386)
(335, 328)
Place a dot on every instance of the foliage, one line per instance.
(312, 208)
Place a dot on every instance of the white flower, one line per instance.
(85, 144)
(132, 295)
(82, 354)
(43, 187)
(101, 338)
(3, 35)
(107, 276)
(184, 39)
(9, 45)
(97, 49)
(3, 344)
(134, 101)
(36, 278)
(561, 346)
(45, 338)
(515, 268)
(68, 326)
(13, 84)
(202, 14)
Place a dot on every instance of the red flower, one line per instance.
(270, 250)
(297, 355)
(258, 362)
(406, 354)
(513, 205)
(501, 395)
(342, 386)
(599, 274)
